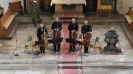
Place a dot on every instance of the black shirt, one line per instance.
(73, 26)
(56, 25)
(41, 31)
(86, 28)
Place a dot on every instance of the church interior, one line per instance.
(110, 47)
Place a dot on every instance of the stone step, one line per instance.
(58, 66)
(79, 15)
(66, 21)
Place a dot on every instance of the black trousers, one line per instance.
(72, 48)
(42, 49)
(58, 49)
(85, 49)
(57, 46)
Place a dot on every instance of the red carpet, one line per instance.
(68, 62)
(66, 18)
(69, 15)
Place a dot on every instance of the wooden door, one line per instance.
(91, 5)
(45, 5)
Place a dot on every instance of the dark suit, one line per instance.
(72, 26)
(39, 32)
(56, 25)
(84, 29)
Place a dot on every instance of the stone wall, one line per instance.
(123, 6)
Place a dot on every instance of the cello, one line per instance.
(44, 37)
(56, 34)
(73, 36)
(86, 41)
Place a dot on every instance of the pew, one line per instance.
(16, 6)
(1, 11)
(7, 25)
(129, 18)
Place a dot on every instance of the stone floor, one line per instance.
(93, 62)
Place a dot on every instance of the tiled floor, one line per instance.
(93, 62)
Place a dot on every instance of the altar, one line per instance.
(68, 6)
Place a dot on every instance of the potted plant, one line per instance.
(36, 19)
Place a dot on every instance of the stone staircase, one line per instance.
(66, 17)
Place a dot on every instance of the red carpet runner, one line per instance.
(68, 63)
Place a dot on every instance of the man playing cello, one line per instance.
(73, 28)
(41, 33)
(56, 27)
(86, 28)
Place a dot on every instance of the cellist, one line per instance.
(41, 30)
(73, 27)
(56, 27)
(84, 29)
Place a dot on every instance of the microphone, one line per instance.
(16, 54)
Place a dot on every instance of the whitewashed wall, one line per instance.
(123, 6)
(5, 3)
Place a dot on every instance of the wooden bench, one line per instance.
(1, 11)
(16, 6)
(129, 18)
(7, 23)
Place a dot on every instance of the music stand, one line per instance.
(38, 43)
(70, 40)
(81, 54)
(79, 42)
(55, 40)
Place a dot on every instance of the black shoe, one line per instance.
(58, 50)
(72, 50)
(69, 52)
(86, 52)
(54, 52)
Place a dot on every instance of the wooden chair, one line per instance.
(16, 6)
(28, 42)
(79, 38)
(97, 44)
(104, 7)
